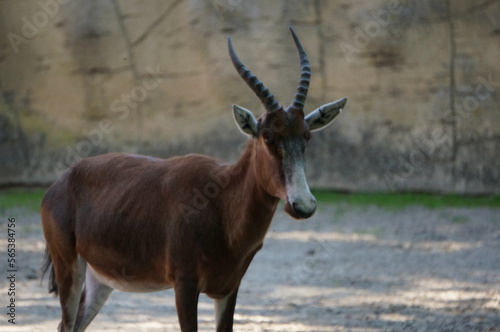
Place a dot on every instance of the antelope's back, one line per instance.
(128, 204)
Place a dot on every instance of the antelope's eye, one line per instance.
(268, 137)
(307, 136)
(281, 152)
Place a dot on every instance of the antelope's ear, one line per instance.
(245, 121)
(324, 115)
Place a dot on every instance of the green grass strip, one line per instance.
(401, 200)
(21, 197)
(32, 198)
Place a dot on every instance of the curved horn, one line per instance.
(257, 86)
(305, 76)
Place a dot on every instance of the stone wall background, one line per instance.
(84, 77)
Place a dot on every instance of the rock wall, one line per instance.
(81, 77)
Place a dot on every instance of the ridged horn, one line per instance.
(305, 76)
(253, 82)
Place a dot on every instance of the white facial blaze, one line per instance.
(298, 194)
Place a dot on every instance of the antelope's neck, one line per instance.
(254, 207)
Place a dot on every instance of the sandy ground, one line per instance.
(347, 269)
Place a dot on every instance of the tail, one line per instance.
(53, 288)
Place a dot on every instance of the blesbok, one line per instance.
(192, 223)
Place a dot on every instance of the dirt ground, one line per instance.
(350, 268)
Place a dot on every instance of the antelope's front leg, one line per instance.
(224, 312)
(186, 301)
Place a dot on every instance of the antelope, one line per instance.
(192, 223)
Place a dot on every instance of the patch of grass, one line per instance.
(454, 218)
(21, 197)
(396, 201)
(339, 212)
(32, 198)
(459, 219)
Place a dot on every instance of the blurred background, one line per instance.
(87, 77)
(81, 77)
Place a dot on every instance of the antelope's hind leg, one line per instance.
(93, 298)
(224, 312)
(70, 279)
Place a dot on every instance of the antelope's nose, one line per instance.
(305, 208)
